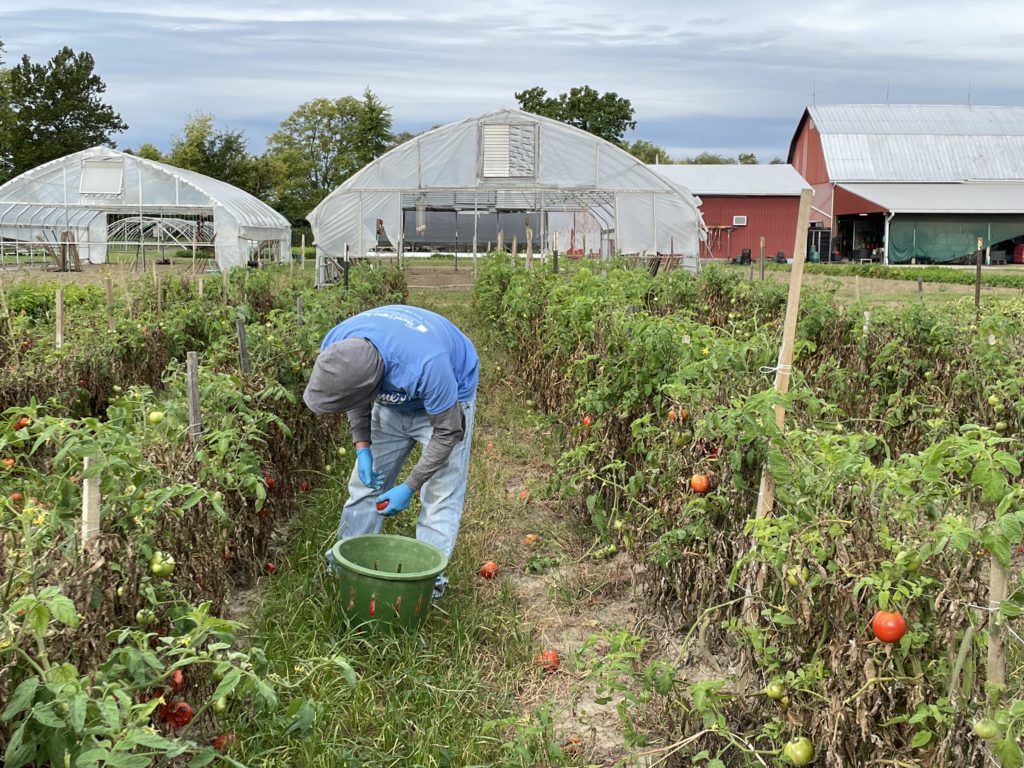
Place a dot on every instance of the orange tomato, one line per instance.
(700, 483)
(489, 569)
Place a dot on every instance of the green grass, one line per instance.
(454, 695)
(949, 275)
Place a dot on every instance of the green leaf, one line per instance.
(920, 739)
(346, 670)
(63, 610)
(21, 699)
(38, 619)
(111, 713)
(77, 710)
(266, 693)
(46, 716)
(18, 753)
(228, 684)
(204, 757)
(1009, 753)
(303, 720)
(783, 619)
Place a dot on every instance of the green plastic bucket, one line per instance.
(386, 581)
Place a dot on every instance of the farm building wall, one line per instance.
(773, 217)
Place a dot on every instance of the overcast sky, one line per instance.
(727, 76)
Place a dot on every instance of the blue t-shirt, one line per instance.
(429, 364)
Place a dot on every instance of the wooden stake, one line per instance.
(90, 504)
(856, 287)
(6, 311)
(766, 494)
(59, 300)
(997, 589)
(110, 304)
(199, 286)
(224, 274)
(298, 309)
(529, 247)
(920, 290)
(762, 249)
(515, 248)
(977, 281)
(243, 347)
(195, 423)
(159, 297)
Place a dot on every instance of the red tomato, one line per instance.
(305, 486)
(269, 567)
(587, 421)
(219, 742)
(177, 714)
(382, 505)
(270, 482)
(489, 569)
(524, 495)
(177, 681)
(549, 660)
(23, 422)
(888, 627)
(15, 497)
(700, 483)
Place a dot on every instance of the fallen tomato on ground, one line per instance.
(219, 742)
(530, 539)
(489, 569)
(269, 482)
(888, 626)
(549, 661)
(305, 486)
(269, 567)
(524, 495)
(587, 421)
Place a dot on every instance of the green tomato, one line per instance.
(220, 705)
(644, 696)
(1001, 427)
(342, 451)
(530, 403)
(155, 417)
(994, 400)
(986, 728)
(145, 617)
(775, 690)
(161, 564)
(217, 497)
(799, 751)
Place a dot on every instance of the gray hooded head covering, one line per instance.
(345, 375)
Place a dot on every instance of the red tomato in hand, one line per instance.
(888, 627)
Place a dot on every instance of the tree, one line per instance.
(322, 143)
(147, 151)
(747, 158)
(51, 110)
(649, 153)
(220, 154)
(607, 115)
(709, 158)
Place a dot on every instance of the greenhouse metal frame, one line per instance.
(80, 207)
(553, 184)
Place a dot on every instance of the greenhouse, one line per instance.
(507, 179)
(88, 206)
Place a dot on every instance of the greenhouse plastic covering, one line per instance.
(73, 195)
(513, 161)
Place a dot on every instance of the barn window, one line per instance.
(509, 150)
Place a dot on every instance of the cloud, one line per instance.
(731, 77)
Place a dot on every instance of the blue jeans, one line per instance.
(393, 435)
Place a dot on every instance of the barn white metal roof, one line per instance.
(736, 180)
(971, 197)
(920, 143)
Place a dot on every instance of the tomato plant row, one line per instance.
(896, 474)
(98, 647)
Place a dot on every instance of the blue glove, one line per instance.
(397, 499)
(364, 466)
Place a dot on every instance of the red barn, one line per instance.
(743, 203)
(906, 183)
